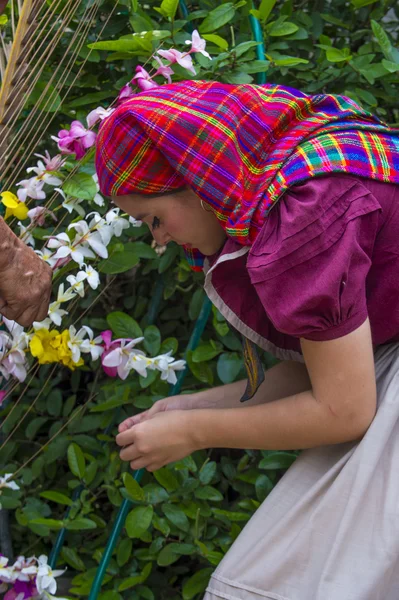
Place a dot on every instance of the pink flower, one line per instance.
(144, 80)
(75, 141)
(52, 164)
(38, 214)
(3, 394)
(197, 44)
(125, 93)
(98, 114)
(174, 56)
(163, 70)
(22, 589)
(109, 347)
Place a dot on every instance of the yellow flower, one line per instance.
(64, 352)
(41, 346)
(14, 207)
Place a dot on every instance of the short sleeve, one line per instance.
(310, 262)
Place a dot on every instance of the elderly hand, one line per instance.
(158, 441)
(25, 280)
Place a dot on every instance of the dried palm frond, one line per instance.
(38, 41)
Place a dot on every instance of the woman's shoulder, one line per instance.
(311, 216)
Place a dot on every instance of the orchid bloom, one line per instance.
(144, 79)
(77, 250)
(75, 141)
(38, 215)
(174, 56)
(4, 483)
(125, 93)
(98, 114)
(163, 70)
(14, 206)
(45, 579)
(77, 282)
(119, 357)
(197, 44)
(33, 187)
(52, 164)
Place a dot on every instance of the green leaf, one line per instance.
(108, 405)
(80, 185)
(265, 8)
(72, 558)
(139, 520)
(80, 523)
(217, 18)
(288, 61)
(390, 66)
(57, 497)
(228, 366)
(335, 55)
(176, 516)
(217, 40)
(361, 3)
(76, 461)
(119, 262)
(230, 515)
(133, 488)
(123, 325)
(244, 47)
(152, 340)
(238, 77)
(208, 493)
(124, 551)
(167, 556)
(136, 579)
(135, 44)
(196, 584)
(34, 427)
(277, 460)
(167, 479)
(141, 249)
(50, 523)
(206, 351)
(92, 98)
(334, 21)
(281, 29)
(263, 487)
(202, 371)
(169, 344)
(255, 66)
(3, 19)
(54, 403)
(207, 472)
(382, 39)
(168, 8)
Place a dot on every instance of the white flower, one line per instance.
(75, 342)
(117, 223)
(169, 374)
(45, 324)
(93, 238)
(120, 356)
(93, 278)
(76, 282)
(98, 199)
(4, 483)
(47, 256)
(94, 346)
(12, 351)
(139, 362)
(26, 235)
(77, 249)
(135, 222)
(33, 187)
(43, 174)
(56, 313)
(45, 578)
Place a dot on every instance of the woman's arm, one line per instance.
(339, 407)
(284, 379)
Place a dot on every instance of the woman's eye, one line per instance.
(155, 223)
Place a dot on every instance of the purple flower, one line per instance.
(197, 44)
(22, 590)
(144, 79)
(75, 141)
(3, 394)
(98, 114)
(125, 93)
(164, 70)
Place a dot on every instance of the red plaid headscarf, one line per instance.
(239, 147)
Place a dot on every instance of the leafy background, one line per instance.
(187, 515)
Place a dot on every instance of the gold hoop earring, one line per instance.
(203, 207)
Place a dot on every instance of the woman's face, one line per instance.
(176, 217)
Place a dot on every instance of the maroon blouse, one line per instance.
(326, 258)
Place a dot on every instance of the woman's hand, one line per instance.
(157, 441)
(183, 402)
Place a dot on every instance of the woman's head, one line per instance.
(176, 216)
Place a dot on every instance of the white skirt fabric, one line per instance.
(330, 529)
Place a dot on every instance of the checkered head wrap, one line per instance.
(239, 147)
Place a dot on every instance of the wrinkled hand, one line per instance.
(182, 402)
(25, 280)
(158, 441)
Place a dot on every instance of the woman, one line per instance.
(294, 202)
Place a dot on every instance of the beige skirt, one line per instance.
(330, 528)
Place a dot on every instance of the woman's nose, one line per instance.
(161, 237)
